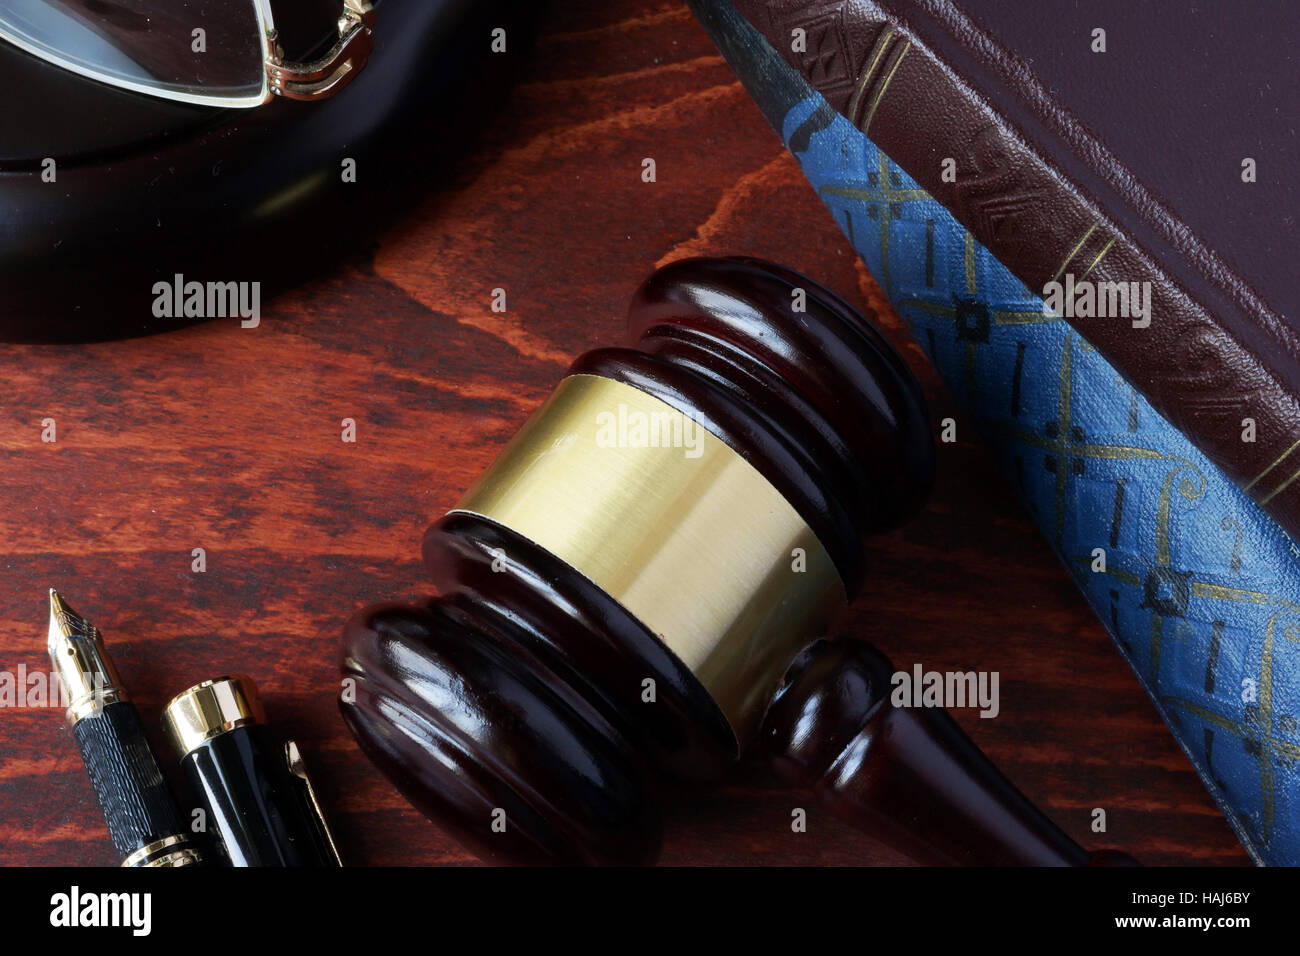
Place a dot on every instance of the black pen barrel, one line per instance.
(143, 819)
(255, 811)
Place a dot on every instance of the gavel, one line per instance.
(621, 595)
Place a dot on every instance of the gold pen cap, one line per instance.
(211, 708)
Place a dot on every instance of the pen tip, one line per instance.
(64, 621)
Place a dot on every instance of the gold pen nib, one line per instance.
(66, 623)
(77, 652)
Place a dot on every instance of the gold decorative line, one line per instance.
(1115, 452)
(882, 46)
(1164, 505)
(879, 195)
(1209, 716)
(1266, 725)
(1201, 589)
(1101, 255)
(1279, 489)
(880, 93)
(946, 311)
(1281, 458)
(1086, 450)
(882, 171)
(1075, 251)
(1266, 675)
(1023, 317)
(1231, 726)
(1125, 577)
(970, 264)
(1218, 592)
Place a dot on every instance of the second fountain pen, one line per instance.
(143, 819)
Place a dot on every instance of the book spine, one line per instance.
(1225, 374)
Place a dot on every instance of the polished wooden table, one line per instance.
(229, 440)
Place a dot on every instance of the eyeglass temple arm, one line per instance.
(328, 74)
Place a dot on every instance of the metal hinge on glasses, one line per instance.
(330, 73)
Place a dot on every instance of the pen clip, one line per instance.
(293, 758)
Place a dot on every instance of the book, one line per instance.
(1108, 148)
(1196, 584)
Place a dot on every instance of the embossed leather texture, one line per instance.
(1121, 166)
(1200, 588)
(138, 807)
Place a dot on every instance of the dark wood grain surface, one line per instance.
(229, 439)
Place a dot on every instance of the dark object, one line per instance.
(1069, 159)
(138, 806)
(907, 774)
(260, 805)
(147, 189)
(143, 819)
(513, 707)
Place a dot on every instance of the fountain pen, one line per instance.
(143, 818)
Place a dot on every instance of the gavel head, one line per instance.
(620, 593)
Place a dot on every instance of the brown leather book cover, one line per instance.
(1107, 142)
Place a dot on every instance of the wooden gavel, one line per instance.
(620, 597)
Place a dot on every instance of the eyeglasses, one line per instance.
(211, 52)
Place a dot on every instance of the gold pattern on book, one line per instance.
(1176, 482)
(887, 50)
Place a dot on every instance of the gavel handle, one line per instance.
(909, 776)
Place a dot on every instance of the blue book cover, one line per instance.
(1199, 589)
